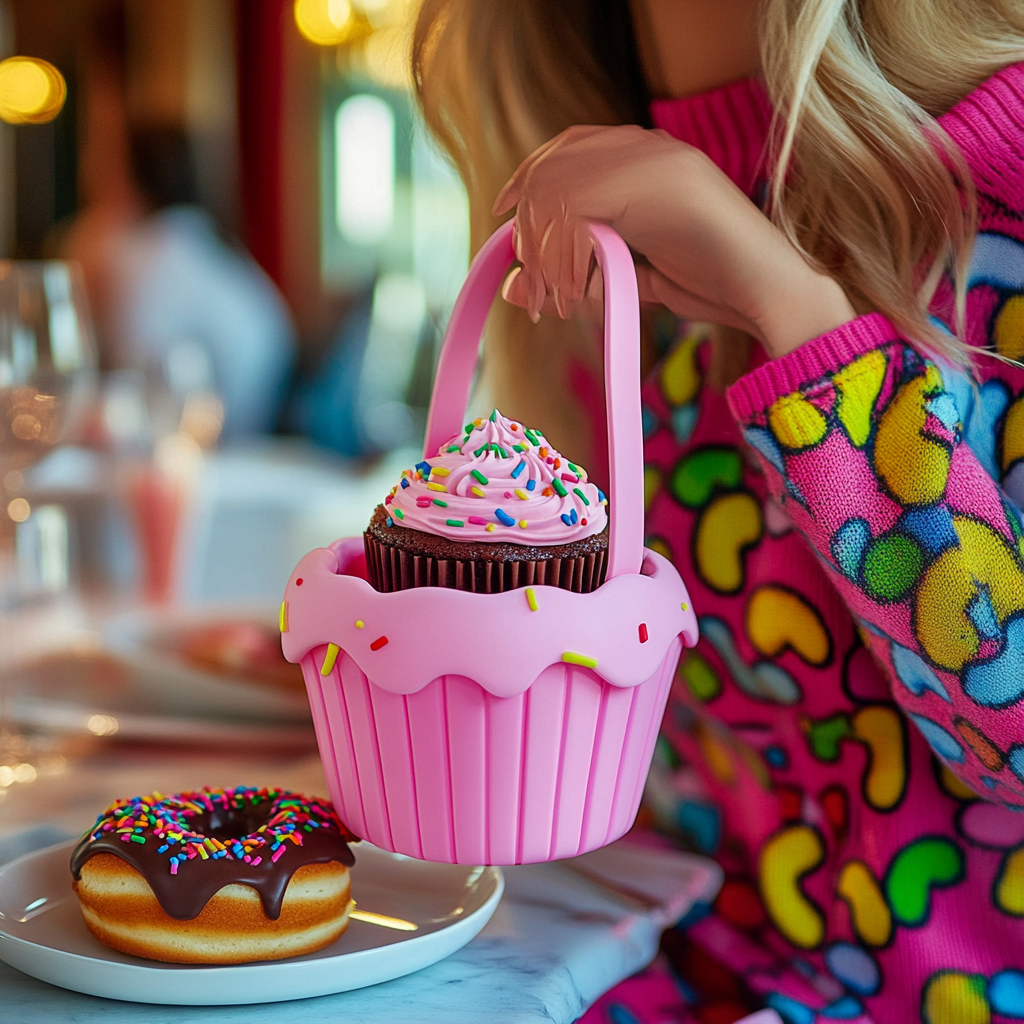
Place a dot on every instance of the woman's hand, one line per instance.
(708, 252)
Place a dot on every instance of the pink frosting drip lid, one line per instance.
(498, 480)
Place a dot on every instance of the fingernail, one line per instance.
(506, 288)
(538, 297)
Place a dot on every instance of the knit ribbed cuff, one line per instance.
(988, 127)
(821, 357)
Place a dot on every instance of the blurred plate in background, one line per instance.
(217, 660)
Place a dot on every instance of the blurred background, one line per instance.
(227, 246)
(268, 239)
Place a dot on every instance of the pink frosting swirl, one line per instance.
(499, 481)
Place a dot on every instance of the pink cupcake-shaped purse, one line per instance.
(499, 728)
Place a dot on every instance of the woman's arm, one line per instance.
(890, 465)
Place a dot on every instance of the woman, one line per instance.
(843, 494)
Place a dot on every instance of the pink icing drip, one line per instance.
(475, 504)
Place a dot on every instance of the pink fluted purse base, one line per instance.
(453, 773)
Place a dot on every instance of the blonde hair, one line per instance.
(864, 180)
(495, 79)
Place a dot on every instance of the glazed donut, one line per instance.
(220, 876)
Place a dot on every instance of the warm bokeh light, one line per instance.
(386, 55)
(325, 22)
(178, 456)
(102, 725)
(19, 510)
(11, 773)
(202, 418)
(381, 13)
(32, 91)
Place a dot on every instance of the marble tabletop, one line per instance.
(563, 935)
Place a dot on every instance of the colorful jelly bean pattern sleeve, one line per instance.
(909, 485)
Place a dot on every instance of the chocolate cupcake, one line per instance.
(497, 508)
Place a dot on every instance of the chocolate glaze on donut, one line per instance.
(225, 818)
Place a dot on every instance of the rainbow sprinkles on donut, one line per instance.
(215, 876)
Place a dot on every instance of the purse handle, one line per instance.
(461, 349)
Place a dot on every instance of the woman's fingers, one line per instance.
(526, 283)
(570, 263)
(582, 262)
(551, 201)
(556, 259)
(561, 261)
(515, 291)
(557, 283)
(518, 184)
(530, 257)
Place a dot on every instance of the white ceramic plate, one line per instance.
(42, 934)
(141, 639)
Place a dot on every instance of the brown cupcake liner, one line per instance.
(390, 569)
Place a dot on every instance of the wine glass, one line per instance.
(47, 377)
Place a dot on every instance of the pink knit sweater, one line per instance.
(848, 736)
